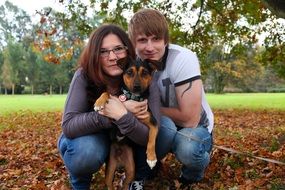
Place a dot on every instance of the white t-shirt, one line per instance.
(182, 66)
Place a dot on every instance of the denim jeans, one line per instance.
(191, 146)
(83, 156)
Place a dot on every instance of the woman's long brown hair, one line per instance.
(89, 59)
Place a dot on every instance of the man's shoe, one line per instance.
(136, 185)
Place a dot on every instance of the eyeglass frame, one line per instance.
(106, 52)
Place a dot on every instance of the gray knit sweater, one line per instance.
(79, 118)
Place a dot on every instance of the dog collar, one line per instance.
(127, 95)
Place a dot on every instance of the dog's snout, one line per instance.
(137, 88)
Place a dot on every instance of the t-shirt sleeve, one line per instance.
(185, 68)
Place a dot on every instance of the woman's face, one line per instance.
(111, 50)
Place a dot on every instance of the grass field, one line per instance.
(42, 103)
(35, 103)
(254, 101)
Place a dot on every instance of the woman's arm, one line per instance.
(78, 118)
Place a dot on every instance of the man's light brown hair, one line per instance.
(149, 22)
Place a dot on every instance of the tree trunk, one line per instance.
(219, 83)
(50, 89)
(13, 89)
(32, 89)
(277, 7)
(60, 89)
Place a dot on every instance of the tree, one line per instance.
(250, 70)
(198, 25)
(17, 61)
(32, 74)
(7, 72)
(12, 20)
(59, 36)
(238, 68)
(277, 7)
(1, 64)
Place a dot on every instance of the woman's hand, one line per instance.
(139, 109)
(114, 108)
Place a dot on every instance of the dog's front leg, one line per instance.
(150, 151)
(101, 101)
(128, 159)
(110, 169)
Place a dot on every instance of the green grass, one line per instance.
(34, 103)
(253, 101)
(43, 103)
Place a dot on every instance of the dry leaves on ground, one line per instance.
(29, 157)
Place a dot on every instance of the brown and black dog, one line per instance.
(137, 76)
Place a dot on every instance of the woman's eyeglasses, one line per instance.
(116, 50)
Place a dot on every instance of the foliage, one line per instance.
(12, 20)
(239, 67)
(55, 42)
(30, 159)
(7, 72)
(234, 26)
(198, 25)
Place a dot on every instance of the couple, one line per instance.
(185, 118)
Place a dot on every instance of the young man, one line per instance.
(187, 120)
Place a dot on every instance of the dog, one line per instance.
(137, 76)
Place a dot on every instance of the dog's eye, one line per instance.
(145, 72)
(129, 72)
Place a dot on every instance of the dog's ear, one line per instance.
(122, 63)
(153, 64)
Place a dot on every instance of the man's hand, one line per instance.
(139, 109)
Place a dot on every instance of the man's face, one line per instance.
(149, 47)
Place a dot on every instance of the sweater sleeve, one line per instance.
(79, 118)
(130, 126)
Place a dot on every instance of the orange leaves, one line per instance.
(43, 20)
(29, 157)
(53, 42)
(51, 58)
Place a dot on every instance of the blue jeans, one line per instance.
(191, 146)
(83, 156)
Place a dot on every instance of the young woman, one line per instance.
(84, 143)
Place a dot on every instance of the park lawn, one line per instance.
(34, 103)
(252, 101)
(46, 103)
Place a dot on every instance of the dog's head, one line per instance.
(137, 73)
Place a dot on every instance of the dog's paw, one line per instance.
(98, 108)
(101, 101)
(151, 163)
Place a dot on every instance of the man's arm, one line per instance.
(189, 97)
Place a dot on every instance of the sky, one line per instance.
(30, 6)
